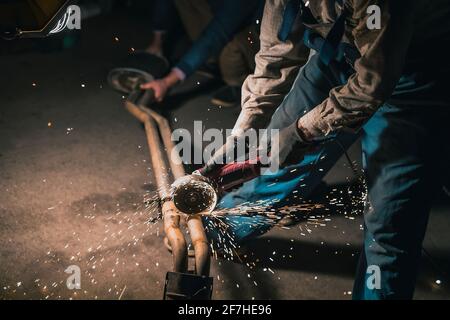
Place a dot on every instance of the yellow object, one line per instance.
(29, 15)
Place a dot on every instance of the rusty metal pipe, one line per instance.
(171, 216)
(160, 168)
(194, 223)
(175, 236)
(201, 245)
(166, 133)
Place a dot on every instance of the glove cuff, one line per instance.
(302, 134)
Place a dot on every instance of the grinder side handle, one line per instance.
(234, 174)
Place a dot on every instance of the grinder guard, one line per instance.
(194, 194)
(198, 194)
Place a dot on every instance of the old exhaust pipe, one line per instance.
(178, 283)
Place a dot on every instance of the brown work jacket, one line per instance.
(407, 27)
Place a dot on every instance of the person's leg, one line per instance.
(162, 20)
(237, 59)
(195, 15)
(403, 170)
(311, 87)
(236, 62)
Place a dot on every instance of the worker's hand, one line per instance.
(160, 88)
(291, 147)
(221, 157)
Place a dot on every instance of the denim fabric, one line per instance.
(406, 156)
(162, 15)
(405, 152)
(229, 16)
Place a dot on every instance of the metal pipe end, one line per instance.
(194, 194)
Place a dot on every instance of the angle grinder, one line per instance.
(198, 193)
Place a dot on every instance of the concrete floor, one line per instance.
(74, 174)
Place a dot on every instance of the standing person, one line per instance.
(385, 83)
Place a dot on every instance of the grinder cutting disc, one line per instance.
(194, 194)
(138, 68)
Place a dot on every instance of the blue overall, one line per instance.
(403, 170)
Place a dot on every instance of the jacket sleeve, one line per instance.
(277, 65)
(383, 53)
(229, 18)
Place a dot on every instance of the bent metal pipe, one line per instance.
(158, 127)
(194, 222)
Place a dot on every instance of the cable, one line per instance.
(355, 170)
(447, 192)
